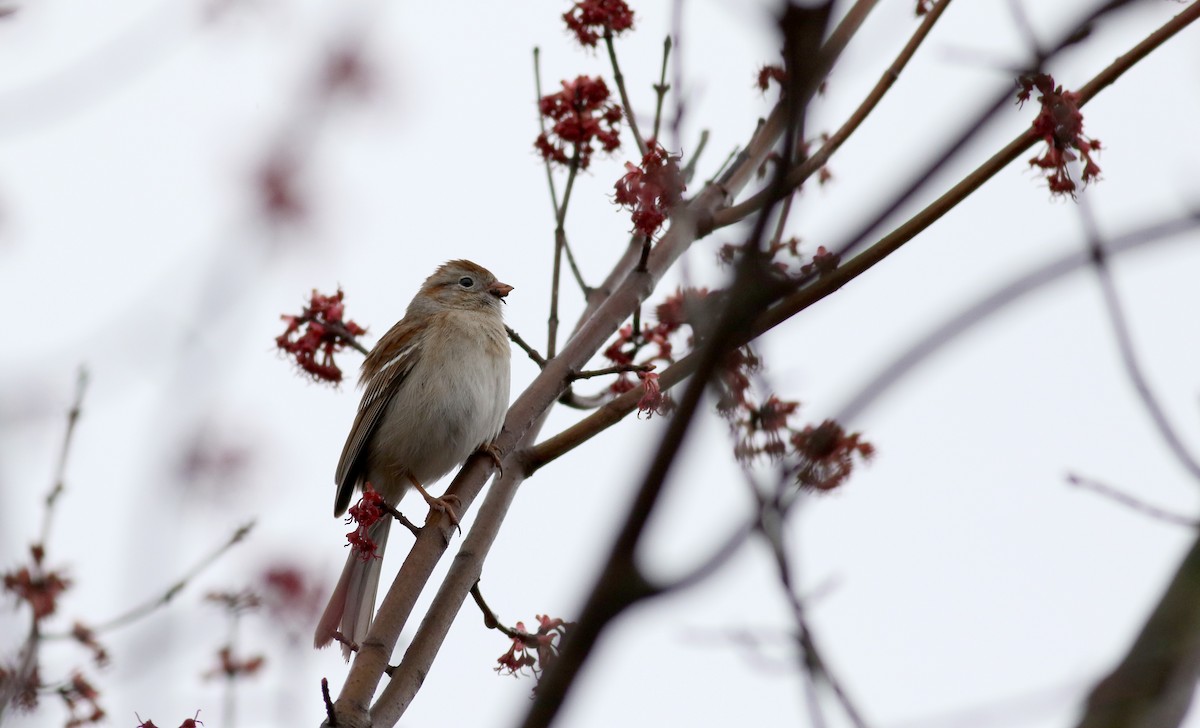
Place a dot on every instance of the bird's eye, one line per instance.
(466, 282)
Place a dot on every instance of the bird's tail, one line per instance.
(353, 602)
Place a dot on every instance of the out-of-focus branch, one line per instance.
(81, 382)
(1153, 686)
(1129, 357)
(614, 411)
(1132, 503)
(804, 170)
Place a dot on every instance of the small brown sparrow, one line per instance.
(436, 390)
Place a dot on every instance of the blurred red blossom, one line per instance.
(1059, 124)
(769, 73)
(37, 588)
(82, 701)
(321, 329)
(582, 115)
(823, 262)
(231, 666)
(590, 20)
(347, 70)
(826, 454)
(651, 189)
(279, 196)
(537, 650)
(86, 637)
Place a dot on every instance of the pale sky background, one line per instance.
(962, 581)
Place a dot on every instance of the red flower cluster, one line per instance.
(365, 513)
(37, 588)
(820, 458)
(653, 401)
(279, 195)
(735, 377)
(86, 637)
(826, 454)
(1059, 124)
(536, 651)
(651, 189)
(230, 666)
(680, 308)
(582, 115)
(590, 20)
(82, 701)
(769, 73)
(325, 333)
(823, 262)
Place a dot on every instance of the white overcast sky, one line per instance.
(961, 580)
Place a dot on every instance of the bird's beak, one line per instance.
(499, 290)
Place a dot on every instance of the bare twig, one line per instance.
(1129, 357)
(803, 171)
(1131, 502)
(81, 382)
(532, 352)
(661, 88)
(345, 335)
(619, 79)
(618, 369)
(172, 591)
(330, 715)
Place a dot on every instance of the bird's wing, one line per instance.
(384, 371)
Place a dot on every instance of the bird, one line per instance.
(436, 389)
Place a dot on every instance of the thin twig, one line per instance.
(560, 242)
(345, 335)
(1131, 502)
(330, 715)
(819, 159)
(689, 169)
(812, 663)
(81, 382)
(142, 610)
(537, 84)
(532, 352)
(660, 90)
(1129, 357)
(389, 509)
(619, 79)
(617, 369)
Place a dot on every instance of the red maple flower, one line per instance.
(365, 513)
(653, 401)
(651, 189)
(82, 701)
(40, 590)
(1059, 124)
(582, 116)
(826, 454)
(769, 73)
(591, 20)
(321, 330)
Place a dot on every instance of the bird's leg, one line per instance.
(448, 504)
(491, 452)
